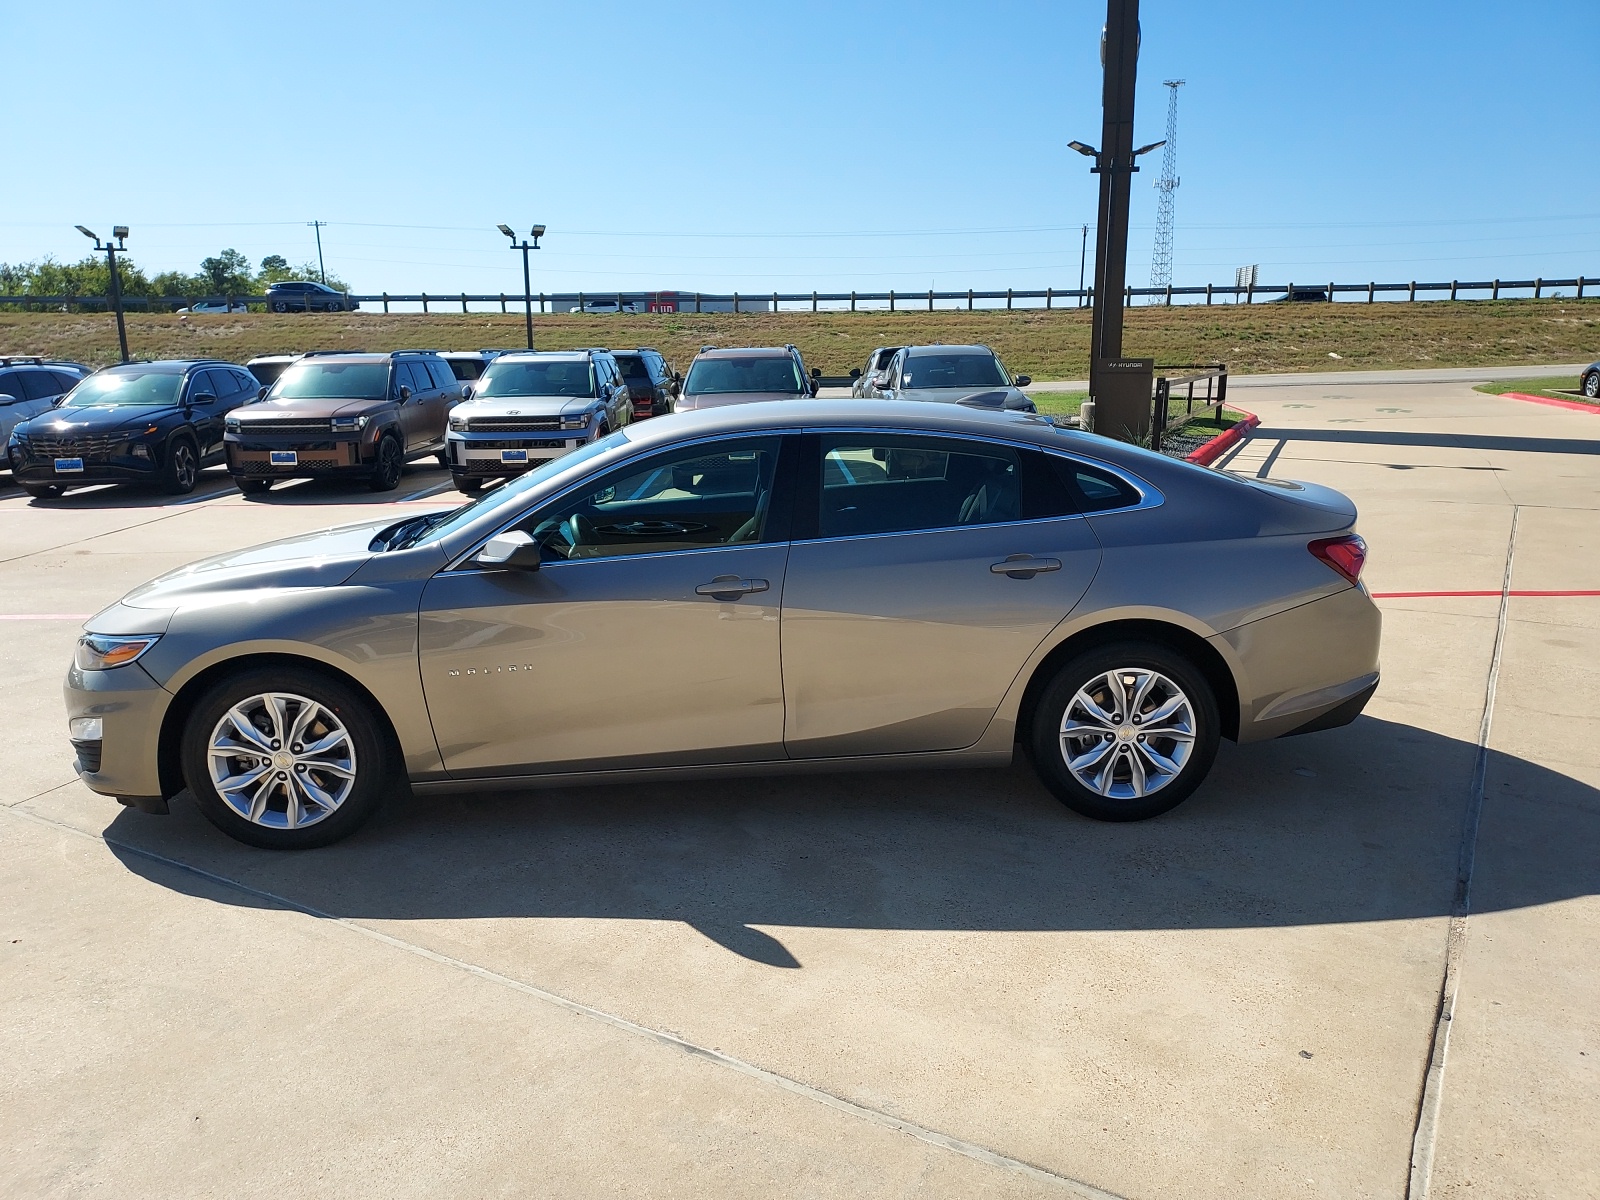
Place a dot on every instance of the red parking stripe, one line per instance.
(1492, 592)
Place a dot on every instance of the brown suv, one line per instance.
(335, 415)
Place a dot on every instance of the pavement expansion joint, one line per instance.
(1425, 1139)
(932, 1137)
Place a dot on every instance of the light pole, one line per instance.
(322, 271)
(1083, 255)
(527, 279)
(120, 232)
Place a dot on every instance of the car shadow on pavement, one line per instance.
(1352, 825)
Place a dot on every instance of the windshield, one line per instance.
(332, 381)
(952, 371)
(130, 388)
(633, 369)
(535, 377)
(721, 376)
(511, 493)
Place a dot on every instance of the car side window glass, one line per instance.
(246, 382)
(36, 385)
(405, 372)
(67, 382)
(692, 498)
(440, 375)
(10, 384)
(1094, 489)
(900, 484)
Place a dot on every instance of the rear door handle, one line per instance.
(1025, 566)
(731, 587)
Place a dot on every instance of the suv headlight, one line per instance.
(231, 424)
(457, 423)
(579, 422)
(101, 652)
(349, 424)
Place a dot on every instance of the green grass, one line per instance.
(1058, 404)
(1210, 424)
(1552, 387)
(1046, 344)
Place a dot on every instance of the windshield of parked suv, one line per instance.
(332, 381)
(720, 376)
(953, 370)
(131, 388)
(535, 377)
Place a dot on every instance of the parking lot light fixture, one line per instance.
(111, 247)
(1087, 151)
(527, 279)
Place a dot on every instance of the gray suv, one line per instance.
(29, 386)
(530, 407)
(740, 376)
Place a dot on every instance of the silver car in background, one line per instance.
(757, 588)
(746, 375)
(971, 375)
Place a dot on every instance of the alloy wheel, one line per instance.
(1127, 733)
(1591, 384)
(281, 760)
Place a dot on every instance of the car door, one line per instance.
(206, 418)
(442, 397)
(413, 375)
(648, 637)
(924, 572)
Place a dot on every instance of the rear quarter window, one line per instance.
(1094, 489)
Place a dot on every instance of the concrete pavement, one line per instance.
(920, 984)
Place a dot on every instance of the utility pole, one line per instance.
(1161, 260)
(527, 278)
(120, 232)
(1083, 253)
(321, 270)
(1116, 384)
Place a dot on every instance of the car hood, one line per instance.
(310, 408)
(325, 558)
(526, 406)
(695, 400)
(1013, 396)
(110, 418)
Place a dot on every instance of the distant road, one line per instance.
(1324, 378)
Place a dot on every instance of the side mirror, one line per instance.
(202, 398)
(261, 393)
(405, 393)
(677, 377)
(516, 551)
(466, 391)
(816, 372)
(1023, 380)
(855, 372)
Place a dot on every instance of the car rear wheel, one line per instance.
(1125, 732)
(1591, 384)
(386, 471)
(286, 759)
(278, 306)
(182, 470)
(254, 487)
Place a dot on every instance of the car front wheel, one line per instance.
(182, 471)
(386, 471)
(285, 758)
(1125, 732)
(1591, 384)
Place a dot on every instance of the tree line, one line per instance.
(221, 275)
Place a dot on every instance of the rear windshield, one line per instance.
(558, 377)
(332, 381)
(722, 376)
(465, 368)
(633, 368)
(268, 372)
(953, 370)
(131, 388)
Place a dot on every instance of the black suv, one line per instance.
(652, 384)
(344, 415)
(141, 422)
(301, 295)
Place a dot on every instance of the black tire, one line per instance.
(254, 487)
(278, 306)
(444, 458)
(467, 485)
(1591, 384)
(41, 491)
(181, 471)
(373, 759)
(1130, 757)
(391, 460)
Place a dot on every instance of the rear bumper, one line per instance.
(1312, 667)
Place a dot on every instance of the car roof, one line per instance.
(917, 351)
(169, 364)
(550, 354)
(746, 352)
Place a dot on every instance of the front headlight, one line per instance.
(101, 652)
(231, 424)
(349, 424)
(578, 422)
(458, 424)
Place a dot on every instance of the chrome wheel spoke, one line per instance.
(258, 802)
(1088, 759)
(288, 785)
(245, 729)
(1113, 746)
(1136, 772)
(1085, 702)
(1163, 711)
(1176, 733)
(1161, 762)
(318, 748)
(238, 783)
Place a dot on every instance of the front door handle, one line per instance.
(731, 587)
(1025, 566)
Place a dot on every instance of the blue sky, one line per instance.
(726, 146)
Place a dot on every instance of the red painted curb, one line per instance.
(1552, 402)
(1203, 456)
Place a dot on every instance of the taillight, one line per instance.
(1346, 555)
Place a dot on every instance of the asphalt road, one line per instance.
(874, 985)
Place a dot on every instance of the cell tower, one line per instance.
(1161, 260)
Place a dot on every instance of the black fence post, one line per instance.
(969, 299)
(697, 302)
(1538, 288)
(1250, 293)
(1008, 297)
(1452, 289)
(1412, 294)
(1495, 294)
(852, 301)
(736, 302)
(580, 304)
(1049, 294)
(1372, 287)
(774, 301)
(424, 301)
(502, 302)
(1331, 286)
(930, 299)
(619, 303)
(386, 302)
(1208, 294)
(891, 299)
(541, 303)
(1580, 287)
(813, 302)
(463, 302)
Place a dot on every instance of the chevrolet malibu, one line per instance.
(755, 588)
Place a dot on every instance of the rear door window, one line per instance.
(898, 484)
(1094, 489)
(37, 385)
(443, 376)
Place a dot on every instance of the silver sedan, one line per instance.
(768, 587)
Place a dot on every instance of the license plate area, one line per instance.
(283, 458)
(514, 456)
(69, 466)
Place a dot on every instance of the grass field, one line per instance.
(1045, 344)
(1554, 387)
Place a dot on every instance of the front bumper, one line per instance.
(131, 707)
(499, 455)
(251, 456)
(121, 466)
